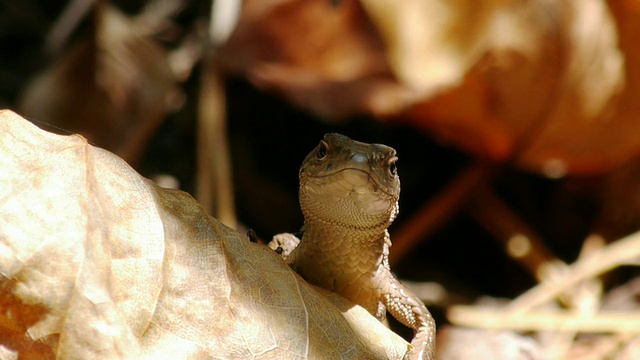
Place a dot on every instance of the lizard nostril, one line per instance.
(393, 168)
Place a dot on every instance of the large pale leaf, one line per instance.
(98, 262)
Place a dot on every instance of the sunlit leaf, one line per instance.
(98, 262)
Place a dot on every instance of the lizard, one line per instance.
(349, 194)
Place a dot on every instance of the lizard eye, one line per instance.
(393, 168)
(322, 150)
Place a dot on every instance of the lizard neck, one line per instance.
(337, 255)
(344, 260)
(323, 235)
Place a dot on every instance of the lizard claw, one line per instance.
(253, 237)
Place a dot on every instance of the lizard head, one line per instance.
(350, 183)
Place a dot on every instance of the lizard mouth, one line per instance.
(349, 197)
(356, 177)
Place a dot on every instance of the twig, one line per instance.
(622, 252)
(225, 15)
(214, 182)
(520, 241)
(497, 319)
(73, 14)
(437, 211)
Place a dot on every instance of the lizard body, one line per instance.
(349, 196)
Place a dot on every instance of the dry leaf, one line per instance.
(319, 54)
(98, 262)
(535, 82)
(549, 86)
(114, 87)
(459, 31)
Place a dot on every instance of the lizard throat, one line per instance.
(320, 222)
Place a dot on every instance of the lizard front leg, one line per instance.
(409, 310)
(284, 243)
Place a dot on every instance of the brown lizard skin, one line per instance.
(349, 196)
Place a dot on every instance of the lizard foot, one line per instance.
(421, 348)
(284, 244)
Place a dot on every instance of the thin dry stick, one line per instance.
(73, 14)
(583, 299)
(507, 227)
(214, 180)
(215, 185)
(622, 252)
(437, 211)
